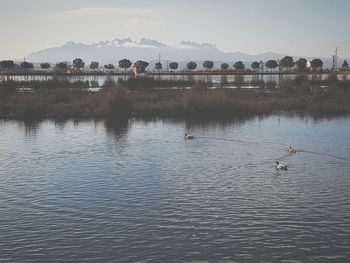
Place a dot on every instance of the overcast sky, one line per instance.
(295, 27)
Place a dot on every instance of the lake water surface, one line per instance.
(228, 81)
(96, 192)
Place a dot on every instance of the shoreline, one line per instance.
(117, 103)
(169, 73)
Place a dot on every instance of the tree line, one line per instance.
(286, 63)
(77, 63)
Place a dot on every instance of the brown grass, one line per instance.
(114, 103)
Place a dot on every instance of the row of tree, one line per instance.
(286, 62)
(9, 64)
(77, 63)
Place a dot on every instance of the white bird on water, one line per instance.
(188, 137)
(292, 150)
(280, 166)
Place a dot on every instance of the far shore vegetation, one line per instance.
(144, 97)
(284, 65)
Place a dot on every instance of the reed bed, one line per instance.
(64, 100)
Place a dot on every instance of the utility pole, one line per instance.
(159, 57)
(335, 59)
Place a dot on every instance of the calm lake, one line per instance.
(95, 192)
(228, 81)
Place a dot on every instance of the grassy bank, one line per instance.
(64, 101)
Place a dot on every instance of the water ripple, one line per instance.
(89, 192)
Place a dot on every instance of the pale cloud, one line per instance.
(135, 23)
(103, 12)
(100, 11)
(252, 26)
(107, 23)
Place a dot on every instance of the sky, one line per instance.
(311, 28)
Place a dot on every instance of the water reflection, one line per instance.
(316, 77)
(256, 80)
(195, 124)
(117, 129)
(30, 128)
(60, 124)
(223, 80)
(239, 80)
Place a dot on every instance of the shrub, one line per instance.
(116, 105)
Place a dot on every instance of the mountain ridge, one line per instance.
(145, 49)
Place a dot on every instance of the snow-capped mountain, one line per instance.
(145, 49)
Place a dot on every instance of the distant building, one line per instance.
(139, 67)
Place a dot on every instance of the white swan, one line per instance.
(188, 137)
(292, 150)
(280, 166)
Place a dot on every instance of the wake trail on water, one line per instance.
(277, 144)
(242, 141)
(269, 160)
(325, 154)
(224, 139)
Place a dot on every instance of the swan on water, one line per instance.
(280, 166)
(292, 150)
(188, 137)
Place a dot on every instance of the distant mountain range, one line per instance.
(146, 49)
